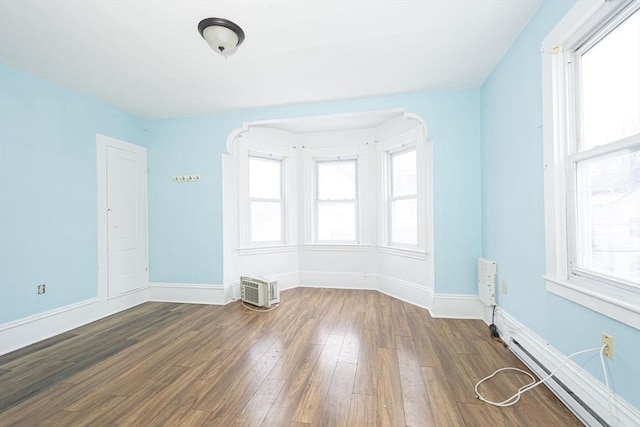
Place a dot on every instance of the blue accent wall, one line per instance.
(185, 220)
(513, 211)
(48, 185)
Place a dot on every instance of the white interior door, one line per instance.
(126, 219)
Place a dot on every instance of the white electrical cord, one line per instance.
(516, 397)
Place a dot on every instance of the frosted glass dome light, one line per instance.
(221, 34)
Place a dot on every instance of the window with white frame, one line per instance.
(266, 203)
(405, 193)
(266, 197)
(336, 201)
(336, 196)
(403, 197)
(592, 189)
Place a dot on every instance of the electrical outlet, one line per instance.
(41, 289)
(608, 350)
(504, 287)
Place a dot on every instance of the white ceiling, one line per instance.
(147, 57)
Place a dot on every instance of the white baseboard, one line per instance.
(405, 291)
(23, 332)
(191, 293)
(454, 306)
(336, 280)
(587, 388)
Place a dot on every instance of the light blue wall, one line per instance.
(185, 220)
(513, 216)
(48, 212)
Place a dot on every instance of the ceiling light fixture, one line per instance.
(222, 35)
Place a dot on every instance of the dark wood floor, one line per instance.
(325, 357)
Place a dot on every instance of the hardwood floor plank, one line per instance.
(336, 405)
(284, 408)
(353, 335)
(258, 407)
(386, 338)
(390, 406)
(443, 405)
(42, 405)
(369, 305)
(461, 386)
(457, 340)
(366, 381)
(193, 418)
(239, 391)
(310, 406)
(23, 355)
(417, 408)
(362, 411)
(482, 415)
(422, 339)
(399, 319)
(294, 353)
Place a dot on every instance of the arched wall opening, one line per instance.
(386, 249)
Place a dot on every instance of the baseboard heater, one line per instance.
(560, 389)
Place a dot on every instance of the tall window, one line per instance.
(336, 201)
(403, 200)
(604, 159)
(405, 203)
(265, 200)
(592, 158)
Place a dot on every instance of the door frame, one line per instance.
(102, 142)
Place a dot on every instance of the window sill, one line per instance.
(623, 308)
(336, 247)
(407, 253)
(266, 249)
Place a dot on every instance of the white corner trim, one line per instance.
(23, 332)
(457, 306)
(587, 388)
(213, 294)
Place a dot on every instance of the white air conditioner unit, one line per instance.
(487, 272)
(259, 291)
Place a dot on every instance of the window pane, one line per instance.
(611, 86)
(403, 173)
(337, 180)
(404, 222)
(266, 221)
(265, 178)
(337, 221)
(609, 215)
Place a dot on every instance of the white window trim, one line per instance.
(249, 148)
(310, 159)
(390, 155)
(619, 303)
(412, 138)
